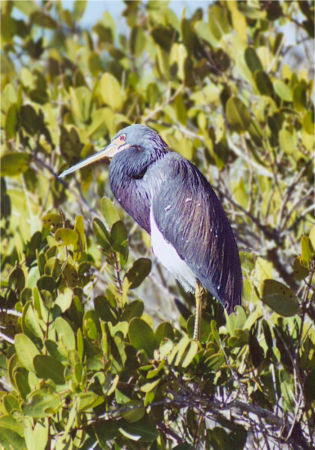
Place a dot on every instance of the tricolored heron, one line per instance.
(170, 198)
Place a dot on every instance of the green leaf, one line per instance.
(91, 324)
(109, 211)
(138, 272)
(190, 354)
(137, 41)
(164, 36)
(178, 56)
(10, 423)
(42, 404)
(308, 122)
(9, 439)
(80, 343)
(65, 333)
(141, 336)
(279, 298)
(89, 400)
(79, 9)
(53, 268)
(218, 21)
(256, 352)
(70, 275)
(80, 103)
(66, 236)
(79, 228)
(203, 30)
(164, 331)
(46, 283)
(283, 90)
(131, 310)
(111, 91)
(11, 402)
(30, 120)
(143, 429)
(70, 144)
(300, 96)
(11, 122)
(307, 251)
(64, 300)
(252, 60)
(134, 411)
(118, 235)
(14, 163)
(31, 322)
(263, 83)
(95, 65)
(215, 361)
(179, 350)
(52, 219)
(148, 387)
(237, 114)
(299, 269)
(309, 386)
(288, 140)
(21, 381)
(101, 234)
(252, 12)
(17, 279)
(47, 367)
(37, 436)
(25, 350)
(43, 20)
(312, 236)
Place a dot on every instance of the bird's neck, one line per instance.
(133, 189)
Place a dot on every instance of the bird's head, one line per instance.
(133, 144)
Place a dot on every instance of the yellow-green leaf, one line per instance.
(14, 163)
(11, 122)
(279, 298)
(283, 90)
(111, 91)
(25, 350)
(141, 336)
(66, 236)
(138, 272)
(307, 251)
(237, 114)
(252, 60)
(109, 211)
(288, 140)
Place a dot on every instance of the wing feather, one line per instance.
(191, 218)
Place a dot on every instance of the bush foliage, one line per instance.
(94, 351)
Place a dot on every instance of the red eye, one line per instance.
(122, 137)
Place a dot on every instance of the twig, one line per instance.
(79, 197)
(161, 107)
(260, 169)
(290, 190)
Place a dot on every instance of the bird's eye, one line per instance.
(122, 138)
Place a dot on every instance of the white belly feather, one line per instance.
(168, 256)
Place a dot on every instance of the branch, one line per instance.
(161, 107)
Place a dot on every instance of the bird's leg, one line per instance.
(199, 294)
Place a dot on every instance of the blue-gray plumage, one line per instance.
(170, 198)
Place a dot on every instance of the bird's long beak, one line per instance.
(116, 146)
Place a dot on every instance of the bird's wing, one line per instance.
(189, 215)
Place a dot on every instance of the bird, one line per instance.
(172, 200)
